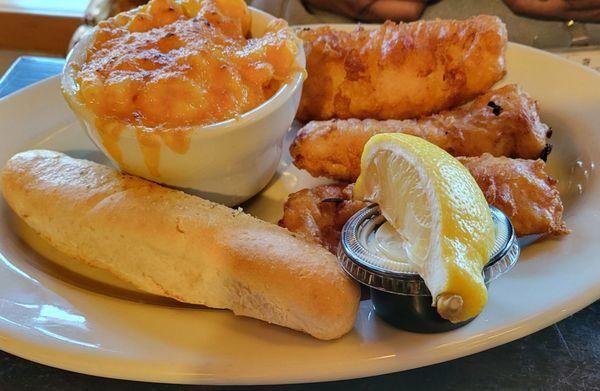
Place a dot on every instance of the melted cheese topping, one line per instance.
(177, 63)
(172, 64)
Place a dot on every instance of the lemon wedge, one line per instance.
(442, 221)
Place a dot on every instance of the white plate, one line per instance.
(82, 320)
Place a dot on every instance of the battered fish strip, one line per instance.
(519, 188)
(400, 71)
(522, 190)
(173, 244)
(503, 122)
(320, 213)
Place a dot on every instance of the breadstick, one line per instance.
(173, 244)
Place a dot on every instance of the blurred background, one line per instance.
(568, 27)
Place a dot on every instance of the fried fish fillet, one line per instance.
(400, 71)
(520, 188)
(503, 122)
(320, 213)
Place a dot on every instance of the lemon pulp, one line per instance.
(441, 219)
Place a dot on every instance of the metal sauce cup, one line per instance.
(399, 295)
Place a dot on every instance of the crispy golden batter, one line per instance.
(172, 64)
(520, 188)
(320, 213)
(400, 71)
(503, 122)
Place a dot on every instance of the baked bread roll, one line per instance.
(173, 244)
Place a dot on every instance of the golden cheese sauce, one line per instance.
(172, 64)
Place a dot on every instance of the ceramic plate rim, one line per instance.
(519, 329)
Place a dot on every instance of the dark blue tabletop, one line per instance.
(565, 356)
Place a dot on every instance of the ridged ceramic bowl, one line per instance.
(227, 162)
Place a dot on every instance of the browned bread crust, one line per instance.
(170, 243)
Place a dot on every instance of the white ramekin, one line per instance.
(227, 162)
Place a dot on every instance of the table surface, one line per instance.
(565, 355)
